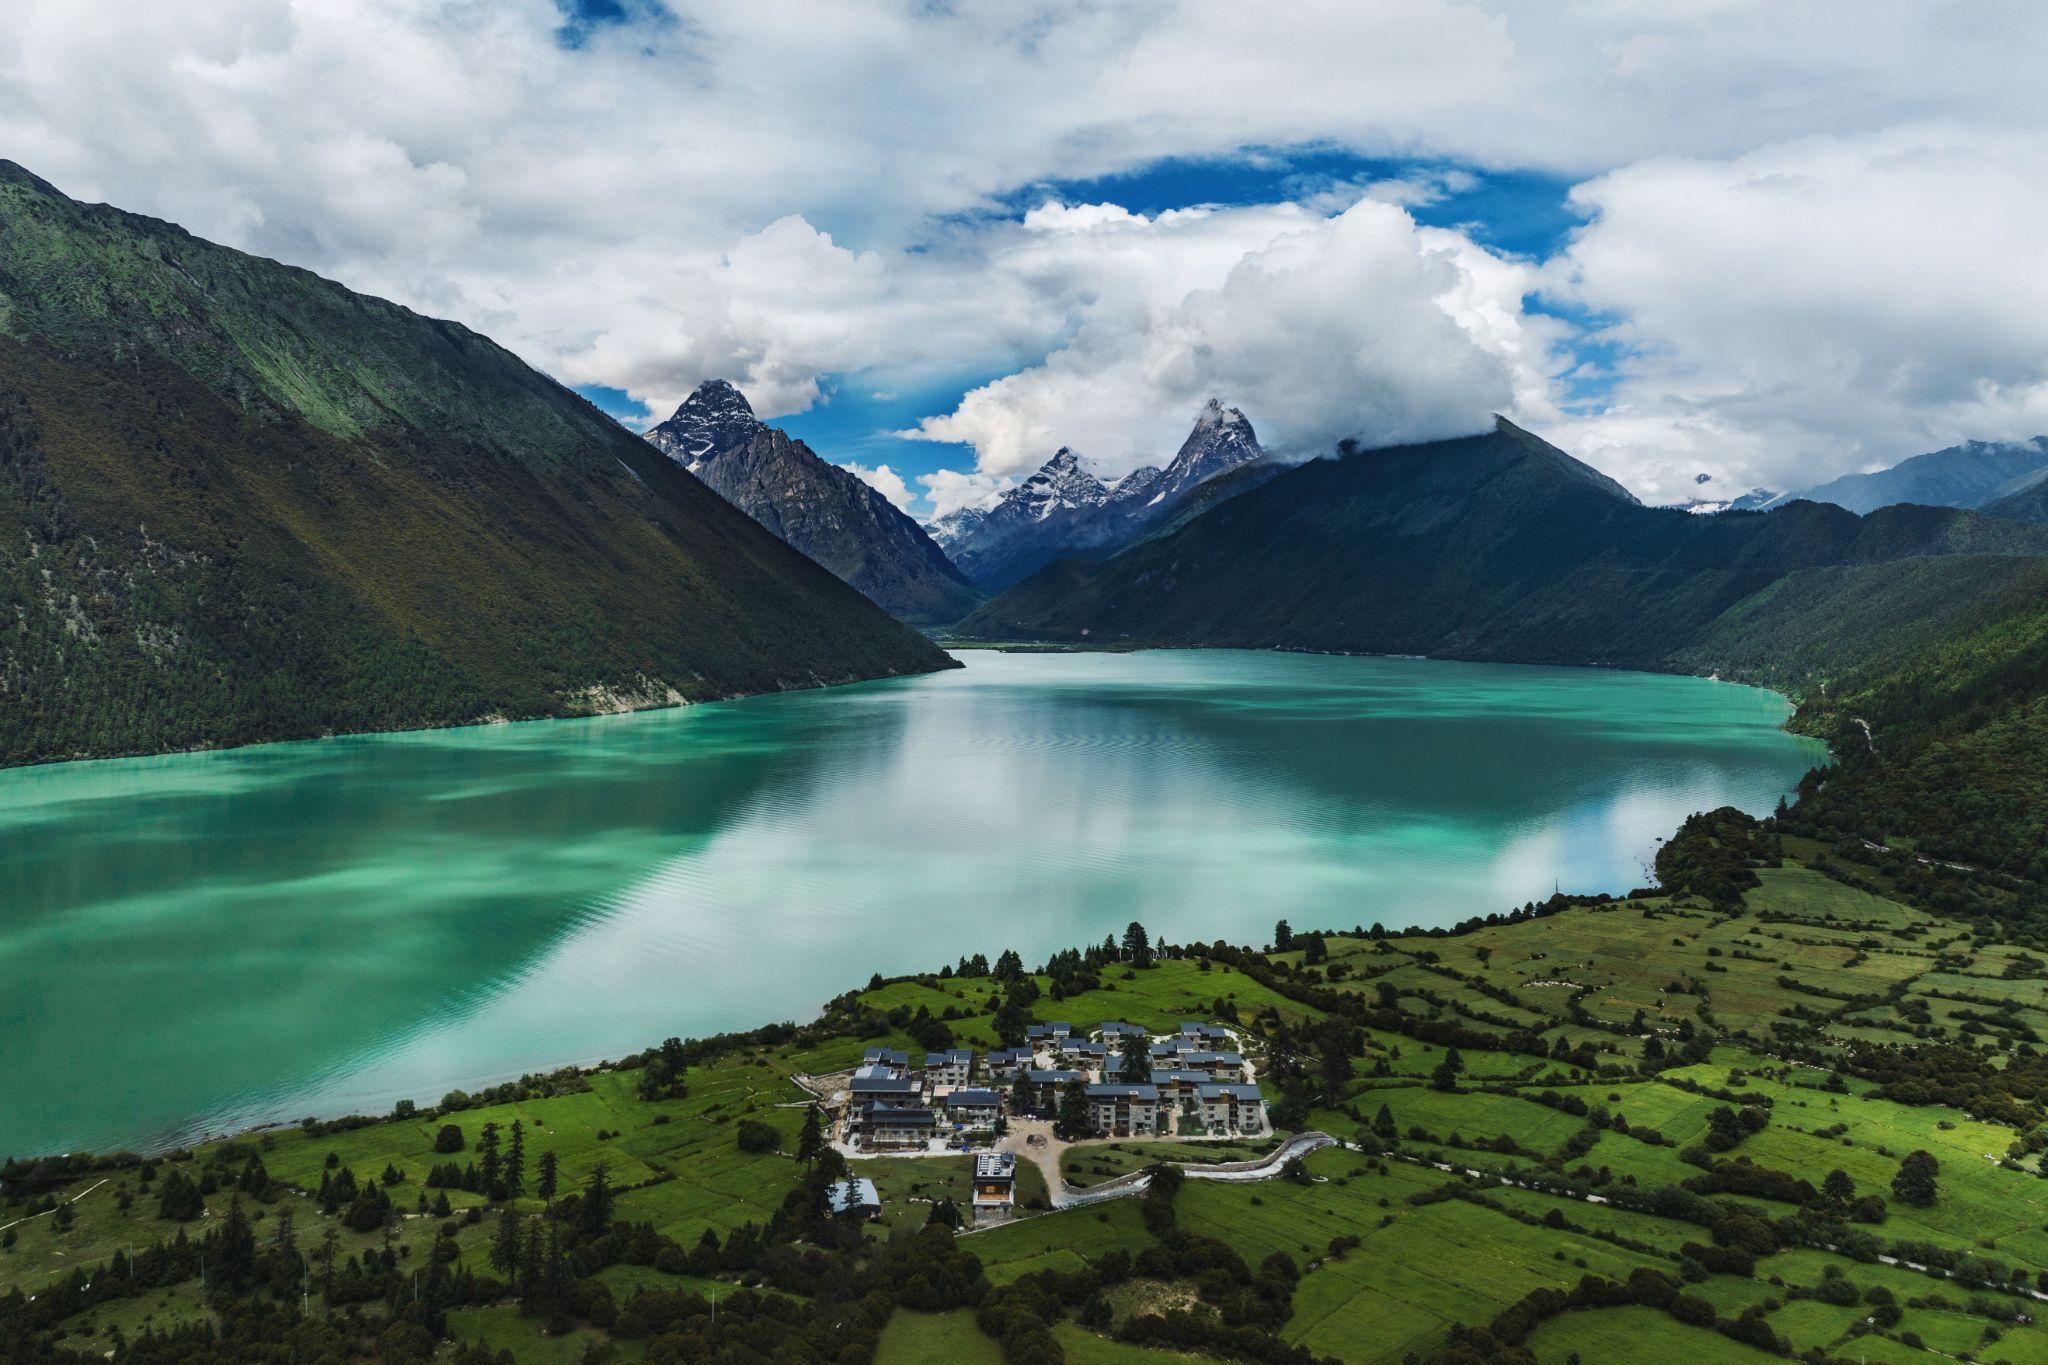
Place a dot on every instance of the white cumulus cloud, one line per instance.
(885, 481)
(1814, 307)
(1361, 324)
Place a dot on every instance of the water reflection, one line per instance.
(331, 925)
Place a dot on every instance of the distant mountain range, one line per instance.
(242, 502)
(1974, 474)
(829, 513)
(1489, 547)
(1064, 511)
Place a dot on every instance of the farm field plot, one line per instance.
(1612, 1053)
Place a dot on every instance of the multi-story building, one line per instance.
(953, 1067)
(1233, 1108)
(1177, 1087)
(972, 1108)
(883, 1125)
(995, 1187)
(1004, 1062)
(1124, 1110)
(872, 1084)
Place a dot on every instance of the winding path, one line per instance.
(1065, 1196)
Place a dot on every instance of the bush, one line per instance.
(755, 1136)
(449, 1139)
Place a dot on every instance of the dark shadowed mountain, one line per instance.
(1064, 511)
(829, 513)
(240, 502)
(1488, 547)
(1972, 474)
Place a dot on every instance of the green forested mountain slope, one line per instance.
(1489, 547)
(239, 502)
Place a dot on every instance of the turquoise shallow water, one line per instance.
(218, 939)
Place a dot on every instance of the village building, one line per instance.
(871, 1084)
(1047, 1033)
(972, 1108)
(1116, 1032)
(883, 1125)
(1086, 1055)
(1124, 1110)
(1047, 1085)
(1219, 1066)
(995, 1187)
(898, 1062)
(1233, 1108)
(1004, 1062)
(1177, 1087)
(1209, 1035)
(954, 1067)
(853, 1199)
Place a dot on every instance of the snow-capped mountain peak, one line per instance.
(1060, 483)
(956, 525)
(1222, 440)
(714, 418)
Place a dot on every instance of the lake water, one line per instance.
(217, 939)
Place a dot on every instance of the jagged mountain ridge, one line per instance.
(1063, 510)
(242, 502)
(830, 514)
(1497, 546)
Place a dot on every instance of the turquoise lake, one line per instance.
(206, 941)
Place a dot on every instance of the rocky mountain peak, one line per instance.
(713, 419)
(1060, 482)
(1222, 440)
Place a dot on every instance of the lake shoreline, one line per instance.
(468, 893)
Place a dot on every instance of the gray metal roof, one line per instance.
(973, 1099)
(1124, 1092)
(1230, 1092)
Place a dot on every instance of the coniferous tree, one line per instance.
(1137, 945)
(505, 1245)
(1383, 1124)
(1336, 1066)
(487, 1160)
(1073, 1113)
(1022, 1100)
(594, 1215)
(512, 1174)
(1136, 1058)
(1283, 937)
(811, 1140)
(231, 1252)
(547, 1186)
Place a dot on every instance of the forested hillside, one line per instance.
(239, 502)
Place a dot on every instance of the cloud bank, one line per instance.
(1806, 245)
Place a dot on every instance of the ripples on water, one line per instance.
(328, 926)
